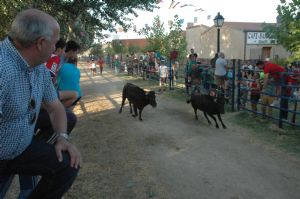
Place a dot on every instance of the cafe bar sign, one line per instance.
(259, 38)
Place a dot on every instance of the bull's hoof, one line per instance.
(134, 115)
(141, 119)
(196, 118)
(217, 126)
(120, 111)
(224, 127)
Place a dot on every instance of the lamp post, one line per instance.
(121, 51)
(218, 20)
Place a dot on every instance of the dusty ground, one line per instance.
(170, 155)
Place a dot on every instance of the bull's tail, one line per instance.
(123, 98)
(188, 101)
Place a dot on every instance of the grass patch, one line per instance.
(287, 139)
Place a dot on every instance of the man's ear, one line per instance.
(39, 43)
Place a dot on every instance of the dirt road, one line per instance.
(170, 155)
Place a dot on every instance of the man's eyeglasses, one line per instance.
(32, 116)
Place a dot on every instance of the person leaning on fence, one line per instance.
(220, 74)
(267, 96)
(243, 92)
(196, 74)
(274, 70)
(188, 69)
(25, 84)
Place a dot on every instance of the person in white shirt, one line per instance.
(163, 74)
(94, 69)
(220, 72)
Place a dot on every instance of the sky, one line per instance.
(231, 10)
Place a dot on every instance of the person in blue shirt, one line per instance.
(25, 86)
(69, 75)
(69, 78)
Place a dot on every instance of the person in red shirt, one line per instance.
(53, 64)
(100, 63)
(274, 70)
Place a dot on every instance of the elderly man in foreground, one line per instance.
(24, 85)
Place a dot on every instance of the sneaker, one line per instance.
(296, 95)
(284, 120)
(275, 103)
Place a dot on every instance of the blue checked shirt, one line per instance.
(18, 85)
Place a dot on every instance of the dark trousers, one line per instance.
(44, 124)
(40, 159)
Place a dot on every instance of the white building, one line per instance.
(238, 40)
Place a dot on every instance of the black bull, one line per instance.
(209, 105)
(138, 98)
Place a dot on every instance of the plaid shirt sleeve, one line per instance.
(2, 89)
(50, 93)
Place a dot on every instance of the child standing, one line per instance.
(163, 74)
(94, 70)
(255, 92)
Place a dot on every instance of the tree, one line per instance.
(108, 49)
(155, 35)
(133, 49)
(96, 51)
(176, 39)
(165, 42)
(81, 20)
(117, 46)
(287, 29)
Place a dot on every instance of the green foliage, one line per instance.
(96, 51)
(281, 62)
(80, 20)
(133, 49)
(109, 50)
(175, 39)
(117, 47)
(164, 42)
(287, 30)
(155, 35)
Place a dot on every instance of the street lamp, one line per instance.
(218, 20)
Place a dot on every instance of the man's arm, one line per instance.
(57, 116)
(265, 81)
(58, 119)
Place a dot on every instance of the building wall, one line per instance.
(193, 38)
(255, 52)
(229, 43)
(232, 43)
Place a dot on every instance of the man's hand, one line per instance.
(64, 145)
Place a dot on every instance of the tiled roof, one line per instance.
(249, 26)
(245, 26)
(142, 43)
(195, 26)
